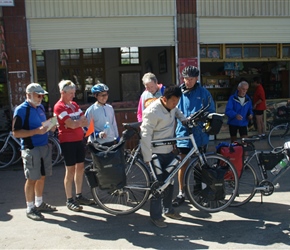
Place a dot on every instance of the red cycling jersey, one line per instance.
(63, 112)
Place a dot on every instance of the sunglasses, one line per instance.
(40, 96)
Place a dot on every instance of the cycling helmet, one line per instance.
(190, 71)
(98, 88)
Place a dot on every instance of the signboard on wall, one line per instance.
(184, 62)
(6, 2)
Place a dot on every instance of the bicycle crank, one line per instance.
(266, 188)
(154, 190)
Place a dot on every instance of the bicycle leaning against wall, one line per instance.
(141, 183)
(272, 165)
(10, 150)
(280, 133)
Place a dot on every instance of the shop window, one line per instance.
(250, 52)
(131, 86)
(269, 51)
(286, 51)
(69, 57)
(129, 55)
(210, 51)
(233, 52)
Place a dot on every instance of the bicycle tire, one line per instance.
(17, 147)
(247, 186)
(56, 150)
(194, 185)
(7, 154)
(131, 197)
(279, 135)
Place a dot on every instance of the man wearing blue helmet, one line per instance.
(103, 115)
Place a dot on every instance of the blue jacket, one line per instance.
(189, 103)
(234, 107)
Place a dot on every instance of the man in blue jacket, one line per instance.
(239, 111)
(194, 97)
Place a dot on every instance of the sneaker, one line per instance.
(84, 201)
(174, 216)
(159, 223)
(34, 214)
(74, 206)
(44, 207)
(178, 201)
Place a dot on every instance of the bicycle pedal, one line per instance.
(277, 186)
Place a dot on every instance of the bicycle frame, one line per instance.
(10, 135)
(262, 169)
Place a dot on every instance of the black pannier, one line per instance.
(213, 177)
(109, 165)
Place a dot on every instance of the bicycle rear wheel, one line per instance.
(247, 186)
(194, 185)
(7, 153)
(279, 135)
(129, 198)
(56, 150)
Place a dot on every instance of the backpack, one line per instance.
(234, 152)
(213, 178)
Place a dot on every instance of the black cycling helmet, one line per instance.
(190, 71)
(98, 88)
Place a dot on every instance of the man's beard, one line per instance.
(34, 102)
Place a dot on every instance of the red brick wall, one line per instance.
(17, 49)
(186, 28)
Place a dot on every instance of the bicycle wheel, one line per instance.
(7, 153)
(56, 150)
(247, 186)
(16, 145)
(194, 185)
(129, 198)
(279, 135)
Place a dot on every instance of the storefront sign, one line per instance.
(184, 62)
(6, 2)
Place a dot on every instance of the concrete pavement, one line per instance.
(255, 225)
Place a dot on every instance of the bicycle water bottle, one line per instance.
(106, 128)
(282, 164)
(172, 165)
(157, 167)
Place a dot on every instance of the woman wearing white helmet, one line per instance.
(103, 115)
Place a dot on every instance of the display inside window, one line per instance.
(233, 52)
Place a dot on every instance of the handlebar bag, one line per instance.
(234, 153)
(213, 125)
(110, 166)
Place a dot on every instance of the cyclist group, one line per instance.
(158, 122)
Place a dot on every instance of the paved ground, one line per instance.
(255, 225)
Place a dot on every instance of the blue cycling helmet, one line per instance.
(98, 88)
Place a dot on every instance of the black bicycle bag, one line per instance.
(213, 178)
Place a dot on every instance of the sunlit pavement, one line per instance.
(255, 225)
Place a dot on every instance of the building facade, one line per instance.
(116, 42)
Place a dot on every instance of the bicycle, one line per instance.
(249, 182)
(142, 183)
(10, 149)
(280, 131)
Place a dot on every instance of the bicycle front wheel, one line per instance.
(279, 135)
(194, 184)
(7, 153)
(129, 198)
(247, 186)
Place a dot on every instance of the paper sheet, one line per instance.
(50, 123)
